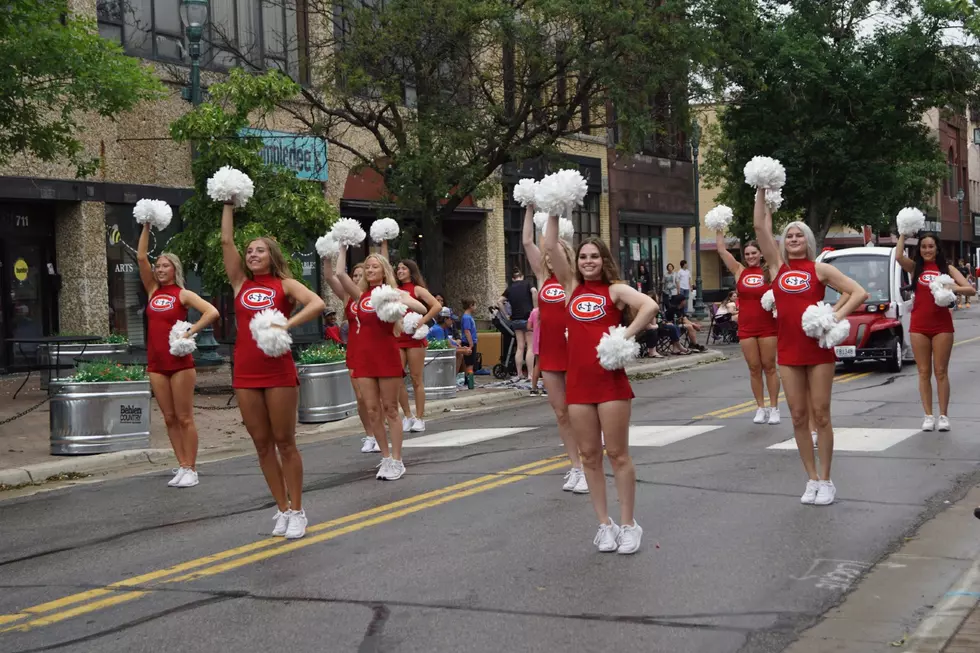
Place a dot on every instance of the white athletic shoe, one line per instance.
(816, 438)
(382, 468)
(418, 425)
(943, 423)
(826, 494)
(369, 445)
(582, 486)
(396, 469)
(812, 487)
(406, 424)
(761, 416)
(928, 423)
(774, 416)
(607, 539)
(629, 538)
(296, 527)
(189, 479)
(571, 478)
(176, 479)
(282, 521)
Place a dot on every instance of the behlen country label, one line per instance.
(258, 298)
(163, 303)
(552, 293)
(794, 281)
(753, 280)
(588, 307)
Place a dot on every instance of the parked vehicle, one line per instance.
(879, 327)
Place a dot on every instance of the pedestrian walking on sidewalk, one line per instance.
(756, 325)
(931, 328)
(413, 351)
(172, 377)
(519, 296)
(599, 400)
(553, 348)
(806, 369)
(379, 372)
(267, 387)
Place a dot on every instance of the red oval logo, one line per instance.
(928, 277)
(163, 302)
(258, 298)
(588, 307)
(753, 280)
(352, 307)
(365, 304)
(794, 281)
(552, 293)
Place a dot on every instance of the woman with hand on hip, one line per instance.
(931, 328)
(267, 388)
(172, 377)
(413, 350)
(806, 369)
(599, 400)
(756, 325)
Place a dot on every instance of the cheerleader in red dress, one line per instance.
(413, 351)
(931, 328)
(599, 399)
(553, 348)
(267, 388)
(806, 369)
(379, 372)
(171, 377)
(756, 326)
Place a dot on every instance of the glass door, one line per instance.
(23, 298)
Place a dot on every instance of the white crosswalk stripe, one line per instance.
(860, 439)
(461, 437)
(664, 434)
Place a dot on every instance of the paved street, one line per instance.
(477, 548)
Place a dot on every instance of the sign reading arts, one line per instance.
(304, 155)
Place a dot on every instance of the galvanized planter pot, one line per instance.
(89, 418)
(325, 393)
(69, 352)
(439, 376)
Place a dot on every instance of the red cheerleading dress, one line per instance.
(796, 288)
(753, 320)
(405, 340)
(252, 367)
(353, 350)
(376, 339)
(553, 347)
(591, 311)
(163, 311)
(928, 318)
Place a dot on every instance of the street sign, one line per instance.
(305, 155)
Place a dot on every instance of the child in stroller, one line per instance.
(507, 366)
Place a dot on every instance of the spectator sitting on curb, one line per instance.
(443, 331)
(675, 315)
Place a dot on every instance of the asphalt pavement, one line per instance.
(478, 549)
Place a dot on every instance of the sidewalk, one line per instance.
(24, 442)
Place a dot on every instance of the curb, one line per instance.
(40, 472)
(944, 620)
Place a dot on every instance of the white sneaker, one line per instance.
(296, 527)
(189, 479)
(812, 487)
(177, 474)
(406, 424)
(369, 445)
(396, 469)
(826, 494)
(607, 539)
(383, 468)
(418, 425)
(943, 423)
(582, 486)
(629, 538)
(571, 478)
(282, 521)
(774, 416)
(928, 423)
(761, 415)
(816, 438)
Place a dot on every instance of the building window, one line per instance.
(585, 218)
(951, 175)
(513, 227)
(258, 34)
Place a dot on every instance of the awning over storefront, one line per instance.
(364, 193)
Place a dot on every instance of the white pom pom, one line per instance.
(268, 330)
(615, 350)
(769, 301)
(387, 303)
(421, 332)
(348, 232)
(230, 185)
(384, 229)
(157, 212)
(765, 172)
(179, 345)
(940, 292)
(566, 230)
(411, 321)
(818, 319)
(718, 218)
(774, 198)
(524, 192)
(910, 221)
(541, 221)
(560, 192)
(836, 334)
(327, 246)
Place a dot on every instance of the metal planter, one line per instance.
(89, 418)
(325, 393)
(67, 354)
(439, 376)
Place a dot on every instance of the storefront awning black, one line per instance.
(658, 219)
(367, 210)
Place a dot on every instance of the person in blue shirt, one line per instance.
(443, 330)
(469, 341)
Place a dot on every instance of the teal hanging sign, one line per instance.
(304, 155)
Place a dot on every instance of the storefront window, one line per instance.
(641, 256)
(585, 218)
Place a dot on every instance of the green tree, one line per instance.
(55, 67)
(291, 210)
(837, 93)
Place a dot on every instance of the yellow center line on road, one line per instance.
(274, 546)
(750, 405)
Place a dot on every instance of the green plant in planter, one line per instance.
(104, 370)
(439, 344)
(321, 353)
(115, 339)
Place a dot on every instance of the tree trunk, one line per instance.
(432, 252)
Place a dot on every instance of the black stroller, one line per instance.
(507, 367)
